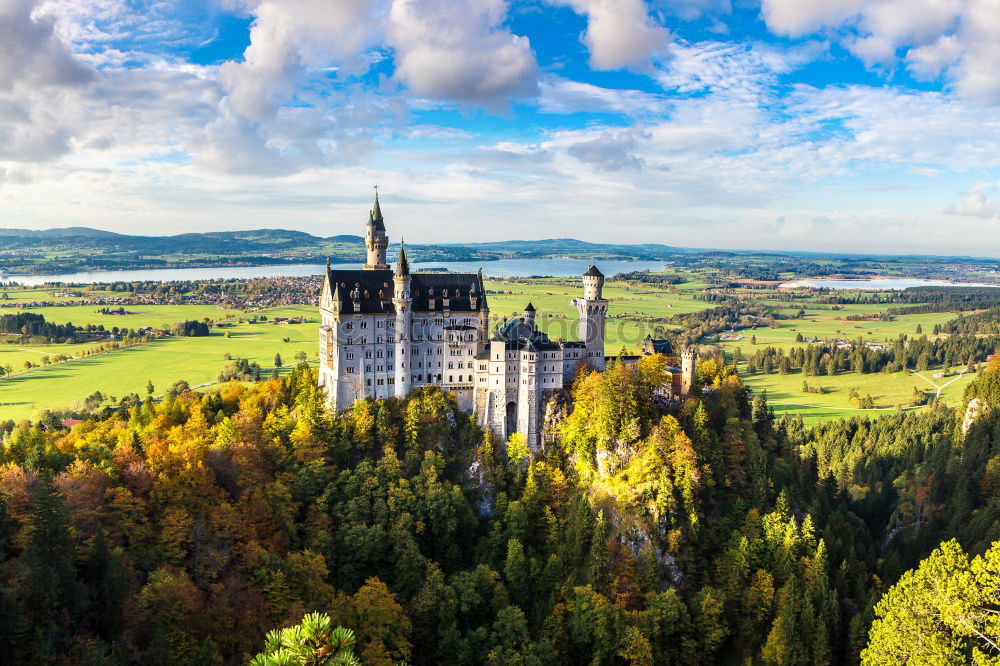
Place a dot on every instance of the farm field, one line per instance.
(820, 322)
(196, 360)
(157, 316)
(785, 395)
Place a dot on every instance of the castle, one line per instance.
(385, 332)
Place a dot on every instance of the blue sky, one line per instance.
(857, 125)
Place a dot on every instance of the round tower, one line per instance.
(689, 361)
(593, 310)
(529, 316)
(593, 284)
(403, 303)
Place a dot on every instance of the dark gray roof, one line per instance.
(402, 265)
(661, 346)
(530, 308)
(519, 335)
(375, 216)
(374, 290)
(594, 272)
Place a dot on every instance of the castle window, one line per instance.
(350, 356)
(364, 324)
(451, 379)
(380, 353)
(368, 382)
(368, 368)
(350, 369)
(349, 325)
(380, 382)
(368, 354)
(390, 381)
(350, 340)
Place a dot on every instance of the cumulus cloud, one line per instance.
(610, 151)
(620, 33)
(795, 18)
(289, 36)
(981, 200)
(31, 52)
(460, 52)
(955, 39)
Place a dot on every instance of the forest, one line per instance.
(644, 531)
(901, 354)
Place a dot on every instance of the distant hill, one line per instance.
(83, 248)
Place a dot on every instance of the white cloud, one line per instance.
(611, 150)
(955, 39)
(620, 33)
(982, 200)
(460, 52)
(799, 17)
(744, 71)
(559, 95)
(289, 36)
(32, 53)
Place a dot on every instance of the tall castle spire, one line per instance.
(402, 265)
(376, 241)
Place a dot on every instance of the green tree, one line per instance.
(52, 589)
(277, 360)
(313, 642)
(149, 387)
(942, 612)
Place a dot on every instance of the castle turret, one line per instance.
(376, 240)
(529, 316)
(593, 309)
(689, 358)
(402, 301)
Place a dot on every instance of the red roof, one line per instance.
(69, 423)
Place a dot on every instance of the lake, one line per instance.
(500, 268)
(878, 284)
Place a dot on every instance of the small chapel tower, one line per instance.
(376, 240)
(593, 309)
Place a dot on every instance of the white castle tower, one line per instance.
(402, 301)
(593, 308)
(376, 241)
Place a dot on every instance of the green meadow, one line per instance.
(821, 321)
(157, 316)
(196, 360)
(889, 392)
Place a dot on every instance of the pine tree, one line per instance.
(51, 588)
